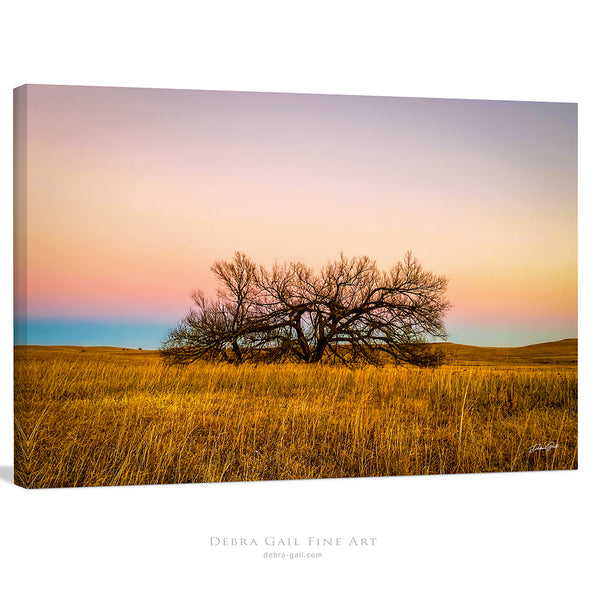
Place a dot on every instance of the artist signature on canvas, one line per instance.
(539, 447)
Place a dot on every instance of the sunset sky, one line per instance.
(132, 194)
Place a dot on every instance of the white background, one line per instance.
(469, 536)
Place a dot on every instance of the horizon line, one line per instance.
(138, 349)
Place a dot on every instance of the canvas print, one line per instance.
(240, 286)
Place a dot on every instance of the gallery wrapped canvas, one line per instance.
(240, 286)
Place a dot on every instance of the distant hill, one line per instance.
(563, 352)
(73, 353)
(65, 348)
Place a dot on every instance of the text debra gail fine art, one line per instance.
(231, 286)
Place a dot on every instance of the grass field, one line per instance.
(110, 416)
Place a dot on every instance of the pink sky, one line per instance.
(132, 194)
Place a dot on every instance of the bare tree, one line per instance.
(217, 329)
(349, 312)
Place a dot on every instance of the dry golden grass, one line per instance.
(113, 417)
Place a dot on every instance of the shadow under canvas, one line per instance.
(7, 473)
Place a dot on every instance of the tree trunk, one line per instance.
(237, 352)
